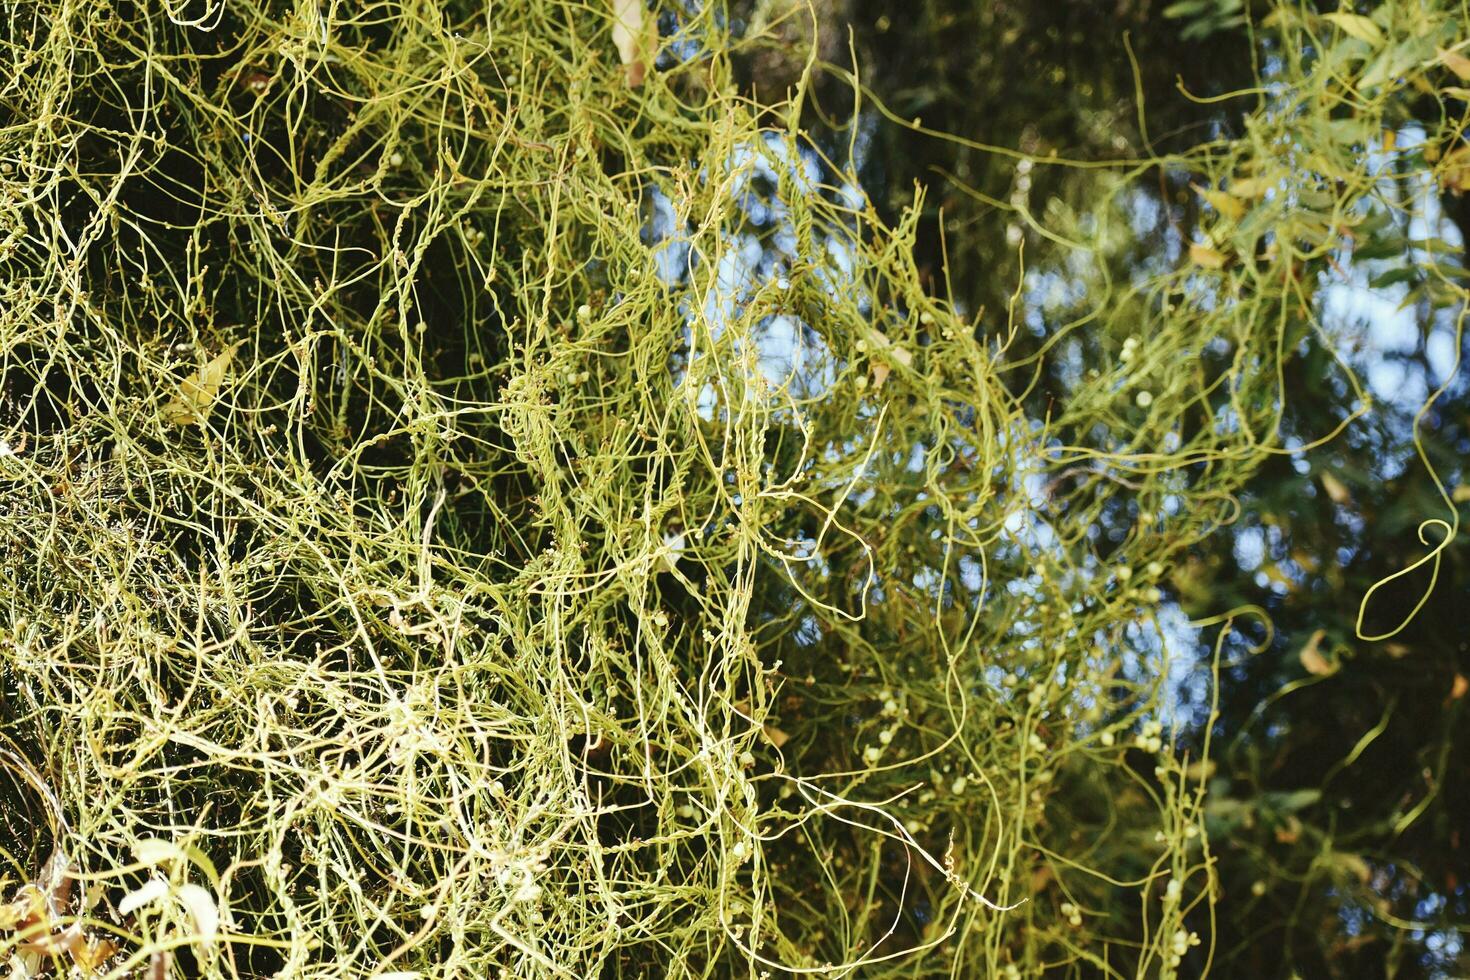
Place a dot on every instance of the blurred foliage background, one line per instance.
(1343, 789)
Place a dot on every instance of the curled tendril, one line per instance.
(1432, 558)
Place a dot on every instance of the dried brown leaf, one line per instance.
(25, 910)
(1456, 173)
(630, 37)
(89, 954)
(1312, 658)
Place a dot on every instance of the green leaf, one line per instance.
(1391, 277)
(1375, 221)
(1381, 247)
(1396, 62)
(1290, 802)
(1435, 246)
(1186, 8)
(1317, 200)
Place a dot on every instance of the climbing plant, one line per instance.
(488, 492)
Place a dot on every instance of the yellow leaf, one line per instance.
(25, 910)
(1312, 659)
(1355, 865)
(89, 954)
(1198, 772)
(1335, 489)
(198, 391)
(1305, 560)
(1249, 187)
(1356, 25)
(1229, 205)
(1456, 62)
(1275, 574)
(775, 736)
(1458, 688)
(628, 36)
(1456, 175)
(1206, 257)
(880, 374)
(1461, 493)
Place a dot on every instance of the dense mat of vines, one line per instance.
(468, 514)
